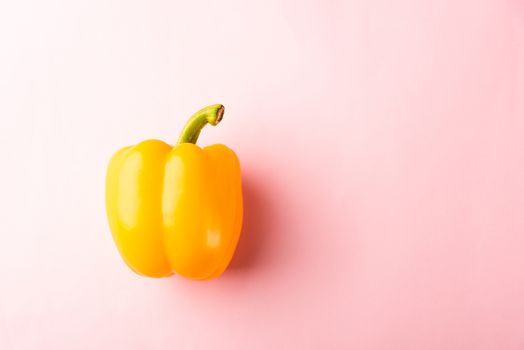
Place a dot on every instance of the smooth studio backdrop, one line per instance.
(382, 153)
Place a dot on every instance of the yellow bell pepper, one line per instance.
(176, 209)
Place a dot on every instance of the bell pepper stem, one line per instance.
(211, 114)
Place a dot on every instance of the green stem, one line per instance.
(211, 114)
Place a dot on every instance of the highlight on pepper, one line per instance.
(176, 209)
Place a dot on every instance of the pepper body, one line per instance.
(175, 209)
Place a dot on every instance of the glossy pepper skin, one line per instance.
(176, 209)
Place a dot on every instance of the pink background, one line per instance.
(383, 163)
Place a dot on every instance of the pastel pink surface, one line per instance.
(382, 151)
